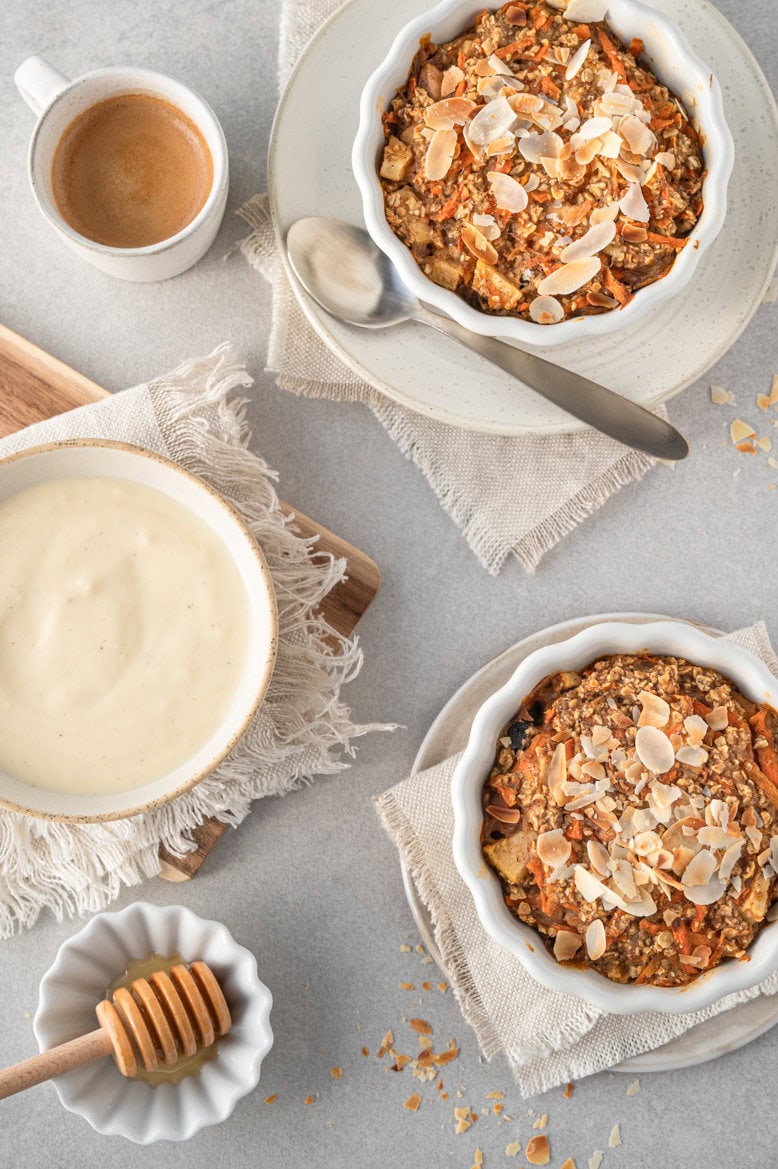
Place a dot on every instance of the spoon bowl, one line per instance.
(341, 268)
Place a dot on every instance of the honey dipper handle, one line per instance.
(54, 1062)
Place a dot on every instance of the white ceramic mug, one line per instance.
(57, 100)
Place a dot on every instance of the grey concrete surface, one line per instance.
(309, 882)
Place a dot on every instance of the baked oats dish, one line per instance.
(535, 167)
(632, 817)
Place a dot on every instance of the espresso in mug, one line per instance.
(131, 171)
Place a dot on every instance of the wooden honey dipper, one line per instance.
(165, 1017)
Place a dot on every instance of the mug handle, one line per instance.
(39, 83)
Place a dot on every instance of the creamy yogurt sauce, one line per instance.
(122, 634)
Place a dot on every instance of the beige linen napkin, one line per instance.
(302, 729)
(507, 495)
(548, 1038)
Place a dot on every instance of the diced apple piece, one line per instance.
(497, 290)
(509, 856)
(444, 270)
(397, 160)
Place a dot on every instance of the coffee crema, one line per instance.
(131, 171)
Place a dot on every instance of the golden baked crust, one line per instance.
(536, 168)
(632, 817)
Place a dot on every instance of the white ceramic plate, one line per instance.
(448, 734)
(310, 174)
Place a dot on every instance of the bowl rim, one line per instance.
(269, 665)
(664, 636)
(259, 995)
(516, 330)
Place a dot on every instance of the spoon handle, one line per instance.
(603, 409)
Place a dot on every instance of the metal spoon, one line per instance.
(341, 268)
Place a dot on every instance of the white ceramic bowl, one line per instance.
(85, 967)
(98, 457)
(664, 637)
(674, 63)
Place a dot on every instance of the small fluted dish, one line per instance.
(85, 967)
(670, 57)
(675, 638)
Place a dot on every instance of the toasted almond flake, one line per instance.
(692, 756)
(655, 711)
(614, 1140)
(440, 154)
(705, 894)
(413, 1102)
(504, 145)
(442, 987)
(336, 1073)
(575, 63)
(386, 1044)
(719, 396)
(557, 768)
(568, 1164)
(541, 1121)
(633, 204)
(566, 945)
(570, 277)
(636, 134)
(492, 121)
(633, 1088)
(553, 848)
(596, 940)
(665, 158)
(477, 244)
(740, 430)
(591, 887)
(450, 80)
(443, 115)
(595, 1160)
(489, 227)
(405, 949)
(718, 718)
(538, 146)
(526, 103)
(538, 1151)
(654, 749)
(420, 1026)
(546, 310)
(271, 1099)
(765, 444)
(598, 857)
(696, 728)
(513, 1149)
(593, 128)
(714, 837)
(309, 1100)
(601, 214)
(729, 860)
(508, 193)
(595, 239)
(584, 11)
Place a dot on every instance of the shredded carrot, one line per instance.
(668, 241)
(461, 60)
(515, 47)
(616, 288)
(611, 53)
(636, 46)
(765, 756)
(647, 970)
(548, 87)
(661, 123)
(508, 794)
(575, 831)
(583, 32)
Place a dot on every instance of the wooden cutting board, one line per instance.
(34, 386)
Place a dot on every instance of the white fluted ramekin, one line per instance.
(675, 638)
(675, 64)
(85, 967)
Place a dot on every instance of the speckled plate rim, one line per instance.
(708, 1040)
(267, 667)
(348, 348)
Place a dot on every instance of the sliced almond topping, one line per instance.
(413, 1102)
(596, 940)
(546, 310)
(584, 11)
(665, 158)
(504, 815)
(636, 134)
(570, 277)
(526, 103)
(609, 211)
(595, 239)
(696, 728)
(442, 115)
(513, 1149)
(591, 887)
(634, 205)
(718, 718)
(700, 868)
(566, 945)
(478, 245)
(450, 80)
(692, 756)
(553, 848)
(719, 396)
(729, 860)
(655, 712)
(440, 154)
(538, 146)
(489, 227)
(740, 430)
(654, 749)
(492, 121)
(538, 1151)
(509, 195)
(575, 64)
(599, 858)
(557, 768)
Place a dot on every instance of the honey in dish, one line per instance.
(186, 1065)
(131, 171)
